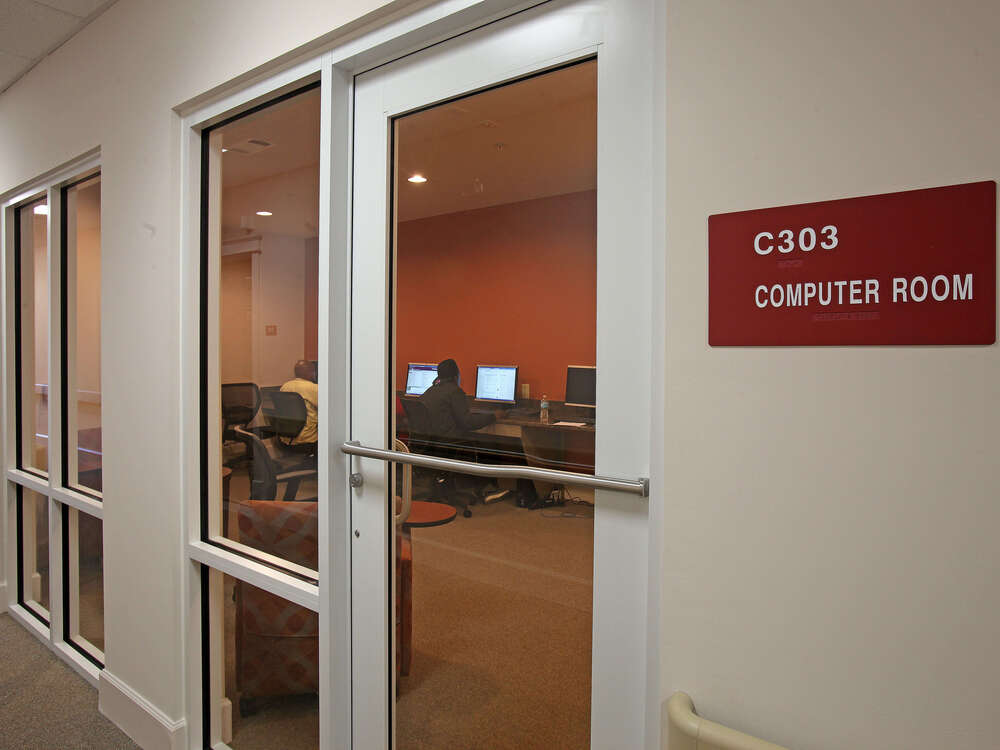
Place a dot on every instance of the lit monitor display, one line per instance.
(496, 383)
(419, 377)
(581, 386)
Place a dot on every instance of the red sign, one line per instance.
(917, 267)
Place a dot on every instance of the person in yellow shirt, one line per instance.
(304, 384)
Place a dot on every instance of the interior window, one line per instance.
(263, 259)
(82, 331)
(32, 230)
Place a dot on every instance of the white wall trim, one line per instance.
(30, 623)
(137, 717)
(655, 698)
(78, 501)
(256, 574)
(67, 171)
(77, 662)
(31, 481)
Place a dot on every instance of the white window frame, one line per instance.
(50, 486)
(219, 556)
(642, 24)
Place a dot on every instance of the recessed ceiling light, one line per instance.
(264, 213)
(225, 150)
(417, 178)
(42, 210)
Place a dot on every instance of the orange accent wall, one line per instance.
(512, 284)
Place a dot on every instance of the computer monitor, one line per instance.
(581, 385)
(419, 377)
(496, 383)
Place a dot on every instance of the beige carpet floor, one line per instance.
(502, 613)
(502, 618)
(45, 705)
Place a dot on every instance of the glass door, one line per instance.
(487, 329)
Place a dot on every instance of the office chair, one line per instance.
(240, 404)
(443, 485)
(285, 413)
(272, 464)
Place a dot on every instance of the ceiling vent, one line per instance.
(249, 146)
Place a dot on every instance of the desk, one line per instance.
(522, 438)
(547, 445)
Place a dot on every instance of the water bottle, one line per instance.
(543, 415)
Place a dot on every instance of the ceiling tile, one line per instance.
(78, 8)
(31, 30)
(11, 68)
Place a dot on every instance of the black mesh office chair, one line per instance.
(272, 464)
(444, 488)
(285, 413)
(240, 403)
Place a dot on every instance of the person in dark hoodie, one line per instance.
(448, 406)
(452, 420)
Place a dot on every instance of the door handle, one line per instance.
(638, 486)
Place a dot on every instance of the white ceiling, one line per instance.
(30, 30)
(282, 177)
(531, 139)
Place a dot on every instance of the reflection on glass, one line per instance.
(264, 218)
(85, 554)
(496, 284)
(82, 327)
(33, 233)
(267, 670)
(35, 551)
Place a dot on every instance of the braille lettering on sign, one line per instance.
(917, 267)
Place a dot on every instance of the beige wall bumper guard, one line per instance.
(688, 731)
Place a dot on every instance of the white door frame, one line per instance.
(625, 684)
(633, 90)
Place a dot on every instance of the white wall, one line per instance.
(831, 560)
(114, 86)
(829, 564)
(283, 262)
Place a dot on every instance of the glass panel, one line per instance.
(495, 345)
(266, 668)
(85, 555)
(34, 551)
(82, 328)
(33, 230)
(267, 249)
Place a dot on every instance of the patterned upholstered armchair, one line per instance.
(277, 642)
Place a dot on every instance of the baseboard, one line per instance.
(147, 725)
